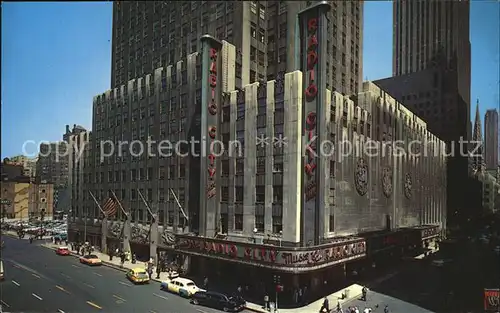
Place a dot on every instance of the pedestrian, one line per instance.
(122, 259)
(386, 309)
(325, 307)
(205, 283)
(296, 296)
(266, 302)
(339, 307)
(300, 294)
(364, 291)
(150, 272)
(240, 290)
(367, 310)
(111, 254)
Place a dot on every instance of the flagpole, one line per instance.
(104, 225)
(146, 204)
(153, 229)
(180, 207)
(126, 232)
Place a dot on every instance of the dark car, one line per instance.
(218, 301)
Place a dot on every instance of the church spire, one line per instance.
(477, 135)
(477, 139)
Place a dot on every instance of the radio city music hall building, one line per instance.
(277, 209)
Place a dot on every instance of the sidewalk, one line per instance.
(353, 293)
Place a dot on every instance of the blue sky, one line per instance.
(57, 56)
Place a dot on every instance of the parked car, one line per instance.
(138, 276)
(218, 301)
(91, 259)
(182, 286)
(63, 251)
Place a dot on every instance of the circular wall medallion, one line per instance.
(408, 186)
(387, 181)
(361, 177)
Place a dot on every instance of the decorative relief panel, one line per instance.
(114, 230)
(139, 234)
(387, 181)
(408, 184)
(168, 237)
(361, 177)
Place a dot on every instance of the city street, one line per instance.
(38, 280)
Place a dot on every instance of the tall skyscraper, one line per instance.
(491, 139)
(147, 36)
(431, 68)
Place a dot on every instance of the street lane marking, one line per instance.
(16, 266)
(75, 266)
(94, 305)
(16, 283)
(125, 284)
(36, 296)
(35, 275)
(97, 274)
(200, 310)
(62, 289)
(160, 296)
(119, 298)
(65, 276)
(4, 303)
(60, 311)
(151, 311)
(90, 286)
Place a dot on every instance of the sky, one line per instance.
(57, 56)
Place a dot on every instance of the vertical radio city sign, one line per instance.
(313, 40)
(211, 84)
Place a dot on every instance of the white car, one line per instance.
(181, 286)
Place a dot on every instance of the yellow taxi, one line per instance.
(138, 276)
(182, 286)
(91, 259)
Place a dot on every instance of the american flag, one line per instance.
(110, 207)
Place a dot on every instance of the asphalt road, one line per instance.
(38, 280)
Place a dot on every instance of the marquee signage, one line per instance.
(313, 48)
(491, 300)
(430, 232)
(211, 98)
(274, 256)
(212, 129)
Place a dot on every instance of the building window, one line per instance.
(224, 222)
(261, 165)
(225, 167)
(238, 222)
(161, 195)
(224, 194)
(277, 224)
(260, 194)
(150, 173)
(171, 172)
(239, 194)
(161, 172)
(240, 166)
(331, 196)
(331, 222)
(170, 221)
(277, 194)
(259, 223)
